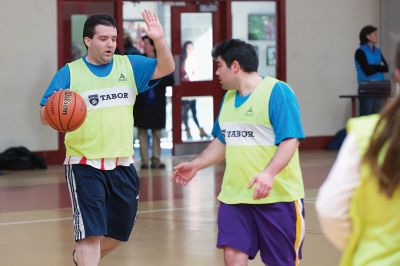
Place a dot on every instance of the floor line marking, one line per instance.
(307, 200)
(70, 218)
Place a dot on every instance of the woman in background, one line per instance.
(189, 73)
(149, 113)
(370, 66)
(358, 205)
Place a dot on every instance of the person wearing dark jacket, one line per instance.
(370, 66)
(149, 113)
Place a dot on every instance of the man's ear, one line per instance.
(397, 74)
(87, 41)
(235, 66)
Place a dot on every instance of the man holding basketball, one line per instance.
(102, 180)
(257, 132)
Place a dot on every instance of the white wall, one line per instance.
(390, 34)
(240, 13)
(28, 42)
(322, 36)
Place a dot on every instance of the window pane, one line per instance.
(196, 30)
(197, 118)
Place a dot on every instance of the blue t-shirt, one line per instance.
(143, 67)
(284, 114)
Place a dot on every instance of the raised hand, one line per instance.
(154, 29)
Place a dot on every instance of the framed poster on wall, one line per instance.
(271, 56)
(261, 27)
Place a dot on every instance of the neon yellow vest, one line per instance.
(108, 129)
(250, 145)
(375, 238)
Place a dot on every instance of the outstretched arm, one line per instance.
(334, 196)
(265, 180)
(184, 172)
(165, 61)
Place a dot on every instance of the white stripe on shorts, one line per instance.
(79, 227)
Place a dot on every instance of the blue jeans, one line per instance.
(370, 106)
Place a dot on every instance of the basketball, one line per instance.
(65, 110)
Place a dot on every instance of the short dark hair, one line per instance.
(146, 37)
(366, 31)
(94, 20)
(184, 48)
(235, 49)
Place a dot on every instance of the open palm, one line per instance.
(183, 173)
(154, 29)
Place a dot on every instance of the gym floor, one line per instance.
(175, 225)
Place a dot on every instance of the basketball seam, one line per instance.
(80, 122)
(59, 113)
(49, 118)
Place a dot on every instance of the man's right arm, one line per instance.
(61, 81)
(214, 153)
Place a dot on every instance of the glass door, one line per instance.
(197, 92)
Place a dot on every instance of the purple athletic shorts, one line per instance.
(276, 230)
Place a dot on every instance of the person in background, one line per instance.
(150, 113)
(358, 204)
(99, 164)
(257, 132)
(129, 48)
(189, 73)
(370, 66)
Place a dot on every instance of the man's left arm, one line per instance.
(165, 61)
(265, 180)
(284, 114)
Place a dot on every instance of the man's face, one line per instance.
(225, 74)
(102, 46)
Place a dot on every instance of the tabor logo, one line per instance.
(223, 133)
(122, 78)
(94, 99)
(250, 112)
(238, 134)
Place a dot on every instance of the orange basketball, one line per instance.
(65, 110)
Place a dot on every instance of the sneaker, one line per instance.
(158, 165)
(144, 166)
(73, 258)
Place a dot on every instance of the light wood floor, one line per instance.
(175, 225)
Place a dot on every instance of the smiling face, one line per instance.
(226, 75)
(102, 46)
